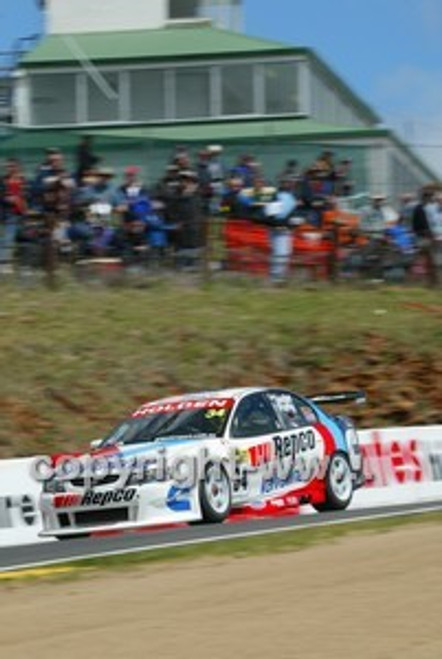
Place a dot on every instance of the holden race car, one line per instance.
(202, 457)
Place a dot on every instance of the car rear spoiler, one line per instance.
(358, 397)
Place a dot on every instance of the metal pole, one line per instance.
(49, 250)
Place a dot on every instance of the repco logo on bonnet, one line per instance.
(104, 498)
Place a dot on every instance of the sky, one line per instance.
(388, 51)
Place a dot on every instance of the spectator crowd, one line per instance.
(86, 214)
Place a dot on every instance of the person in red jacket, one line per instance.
(13, 192)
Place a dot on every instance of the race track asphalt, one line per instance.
(53, 553)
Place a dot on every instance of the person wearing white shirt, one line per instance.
(280, 214)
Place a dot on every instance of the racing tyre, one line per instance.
(338, 484)
(215, 494)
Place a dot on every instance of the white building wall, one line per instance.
(73, 16)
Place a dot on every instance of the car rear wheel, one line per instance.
(338, 484)
(215, 494)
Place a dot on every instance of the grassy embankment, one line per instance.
(74, 361)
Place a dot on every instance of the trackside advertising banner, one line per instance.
(402, 465)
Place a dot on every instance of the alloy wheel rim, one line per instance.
(340, 478)
(217, 489)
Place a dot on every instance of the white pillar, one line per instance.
(21, 100)
(378, 167)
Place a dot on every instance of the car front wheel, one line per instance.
(215, 494)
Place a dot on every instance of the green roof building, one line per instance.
(179, 78)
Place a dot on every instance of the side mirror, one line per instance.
(95, 444)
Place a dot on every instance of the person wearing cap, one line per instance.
(423, 215)
(50, 172)
(245, 169)
(181, 159)
(210, 172)
(255, 199)
(189, 218)
(385, 239)
(132, 194)
(325, 172)
(29, 241)
(374, 218)
(230, 204)
(100, 195)
(58, 188)
(49, 167)
(168, 190)
(407, 202)
(52, 193)
(86, 158)
(168, 184)
(158, 230)
(344, 184)
(310, 195)
(134, 207)
(130, 240)
(290, 173)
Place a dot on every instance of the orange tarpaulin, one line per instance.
(248, 245)
(347, 225)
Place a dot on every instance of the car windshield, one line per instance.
(167, 425)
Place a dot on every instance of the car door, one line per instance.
(252, 430)
(299, 447)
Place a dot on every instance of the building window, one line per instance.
(147, 95)
(237, 89)
(328, 105)
(281, 88)
(179, 9)
(192, 93)
(104, 99)
(53, 99)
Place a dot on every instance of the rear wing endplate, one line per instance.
(358, 397)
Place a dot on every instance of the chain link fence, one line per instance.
(225, 249)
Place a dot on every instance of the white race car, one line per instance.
(204, 456)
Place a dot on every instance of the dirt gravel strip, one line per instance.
(366, 596)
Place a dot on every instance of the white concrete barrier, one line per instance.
(20, 519)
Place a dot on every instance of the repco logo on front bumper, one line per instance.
(91, 498)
